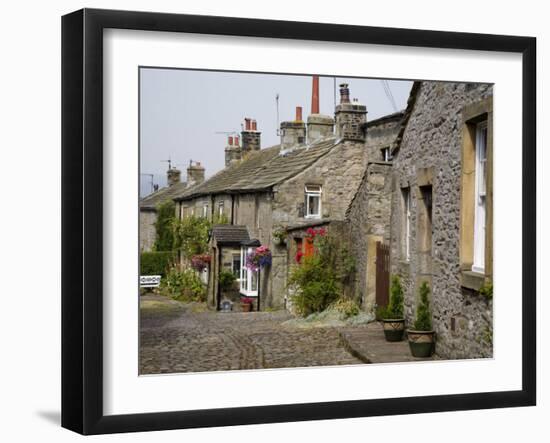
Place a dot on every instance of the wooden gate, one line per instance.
(382, 274)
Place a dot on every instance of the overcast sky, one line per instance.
(182, 112)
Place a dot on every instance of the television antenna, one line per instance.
(169, 161)
(278, 130)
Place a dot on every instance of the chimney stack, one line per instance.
(293, 133)
(233, 152)
(250, 136)
(315, 95)
(195, 173)
(318, 126)
(173, 176)
(350, 117)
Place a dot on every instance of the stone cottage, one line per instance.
(309, 179)
(441, 211)
(148, 205)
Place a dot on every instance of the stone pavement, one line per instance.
(368, 344)
(177, 337)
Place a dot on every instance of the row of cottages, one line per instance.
(149, 204)
(427, 215)
(309, 179)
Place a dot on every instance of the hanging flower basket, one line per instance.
(200, 262)
(258, 258)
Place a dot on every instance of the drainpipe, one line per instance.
(259, 287)
(218, 295)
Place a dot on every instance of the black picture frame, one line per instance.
(82, 217)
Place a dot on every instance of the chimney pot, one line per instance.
(315, 95)
(298, 113)
(230, 141)
(254, 125)
(344, 93)
(247, 124)
(236, 140)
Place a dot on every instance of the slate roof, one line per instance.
(230, 234)
(261, 170)
(150, 202)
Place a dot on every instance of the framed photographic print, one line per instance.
(270, 221)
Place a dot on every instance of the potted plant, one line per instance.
(246, 304)
(392, 315)
(421, 338)
(279, 236)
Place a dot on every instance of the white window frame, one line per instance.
(310, 192)
(205, 211)
(406, 195)
(480, 198)
(246, 275)
(220, 209)
(386, 153)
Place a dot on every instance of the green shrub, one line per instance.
(191, 235)
(394, 310)
(315, 286)
(227, 280)
(423, 321)
(184, 285)
(166, 214)
(156, 263)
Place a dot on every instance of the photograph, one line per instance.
(301, 220)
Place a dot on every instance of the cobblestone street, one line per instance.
(174, 338)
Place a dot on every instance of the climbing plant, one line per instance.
(191, 235)
(164, 240)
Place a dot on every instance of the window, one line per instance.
(313, 201)
(236, 266)
(220, 210)
(248, 278)
(386, 154)
(205, 211)
(406, 223)
(480, 197)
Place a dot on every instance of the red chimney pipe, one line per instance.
(254, 126)
(247, 124)
(236, 140)
(230, 141)
(315, 95)
(298, 113)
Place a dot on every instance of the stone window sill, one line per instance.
(472, 280)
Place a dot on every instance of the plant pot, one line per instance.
(246, 307)
(422, 343)
(278, 241)
(394, 328)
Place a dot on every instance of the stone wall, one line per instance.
(369, 223)
(147, 232)
(430, 155)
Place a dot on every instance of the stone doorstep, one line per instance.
(369, 345)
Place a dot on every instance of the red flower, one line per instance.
(299, 256)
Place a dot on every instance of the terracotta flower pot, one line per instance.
(394, 328)
(421, 343)
(246, 307)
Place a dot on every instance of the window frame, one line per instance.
(246, 275)
(406, 224)
(313, 194)
(480, 209)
